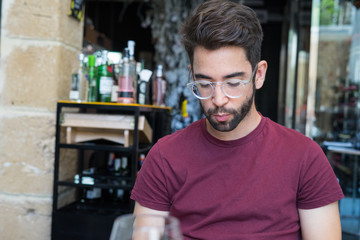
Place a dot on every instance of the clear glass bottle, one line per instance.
(74, 89)
(143, 87)
(126, 80)
(78, 81)
(132, 62)
(84, 83)
(159, 87)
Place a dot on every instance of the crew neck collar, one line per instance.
(238, 141)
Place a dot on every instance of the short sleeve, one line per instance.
(318, 185)
(150, 188)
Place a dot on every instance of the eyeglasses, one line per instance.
(232, 88)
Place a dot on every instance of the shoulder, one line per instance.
(282, 131)
(178, 145)
(185, 134)
(289, 137)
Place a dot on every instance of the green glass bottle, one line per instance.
(104, 79)
(92, 90)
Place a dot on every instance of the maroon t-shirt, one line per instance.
(249, 188)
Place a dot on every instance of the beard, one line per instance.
(238, 115)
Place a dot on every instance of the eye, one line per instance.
(203, 84)
(233, 83)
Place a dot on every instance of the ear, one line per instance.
(260, 74)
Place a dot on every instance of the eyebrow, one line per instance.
(235, 74)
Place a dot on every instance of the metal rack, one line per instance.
(93, 220)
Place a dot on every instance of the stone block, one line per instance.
(71, 30)
(27, 153)
(37, 19)
(25, 218)
(38, 76)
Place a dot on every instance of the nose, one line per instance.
(219, 98)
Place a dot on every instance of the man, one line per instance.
(236, 174)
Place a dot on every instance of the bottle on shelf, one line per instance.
(92, 89)
(116, 193)
(126, 80)
(92, 194)
(125, 173)
(74, 89)
(132, 62)
(82, 71)
(139, 68)
(124, 168)
(115, 62)
(111, 163)
(145, 76)
(120, 170)
(117, 166)
(104, 79)
(159, 87)
(79, 86)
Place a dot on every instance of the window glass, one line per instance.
(336, 77)
(0, 25)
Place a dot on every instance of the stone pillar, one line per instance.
(39, 47)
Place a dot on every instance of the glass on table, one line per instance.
(145, 227)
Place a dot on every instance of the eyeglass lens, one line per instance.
(231, 88)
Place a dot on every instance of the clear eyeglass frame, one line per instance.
(237, 84)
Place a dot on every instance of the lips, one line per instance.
(222, 117)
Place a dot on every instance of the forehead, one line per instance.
(230, 57)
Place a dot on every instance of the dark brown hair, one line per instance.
(218, 23)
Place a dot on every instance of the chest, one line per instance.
(237, 184)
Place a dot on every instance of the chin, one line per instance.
(221, 126)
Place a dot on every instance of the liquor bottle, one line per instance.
(132, 62)
(143, 90)
(111, 163)
(125, 173)
(92, 89)
(139, 68)
(120, 170)
(126, 80)
(124, 167)
(114, 61)
(74, 89)
(104, 79)
(83, 83)
(78, 81)
(159, 87)
(92, 194)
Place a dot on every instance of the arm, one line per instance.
(144, 210)
(149, 226)
(321, 223)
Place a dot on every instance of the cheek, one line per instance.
(206, 104)
(238, 102)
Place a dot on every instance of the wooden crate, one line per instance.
(82, 127)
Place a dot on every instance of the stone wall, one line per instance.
(39, 47)
(167, 19)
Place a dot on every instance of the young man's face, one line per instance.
(224, 113)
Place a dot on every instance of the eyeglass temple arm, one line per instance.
(190, 73)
